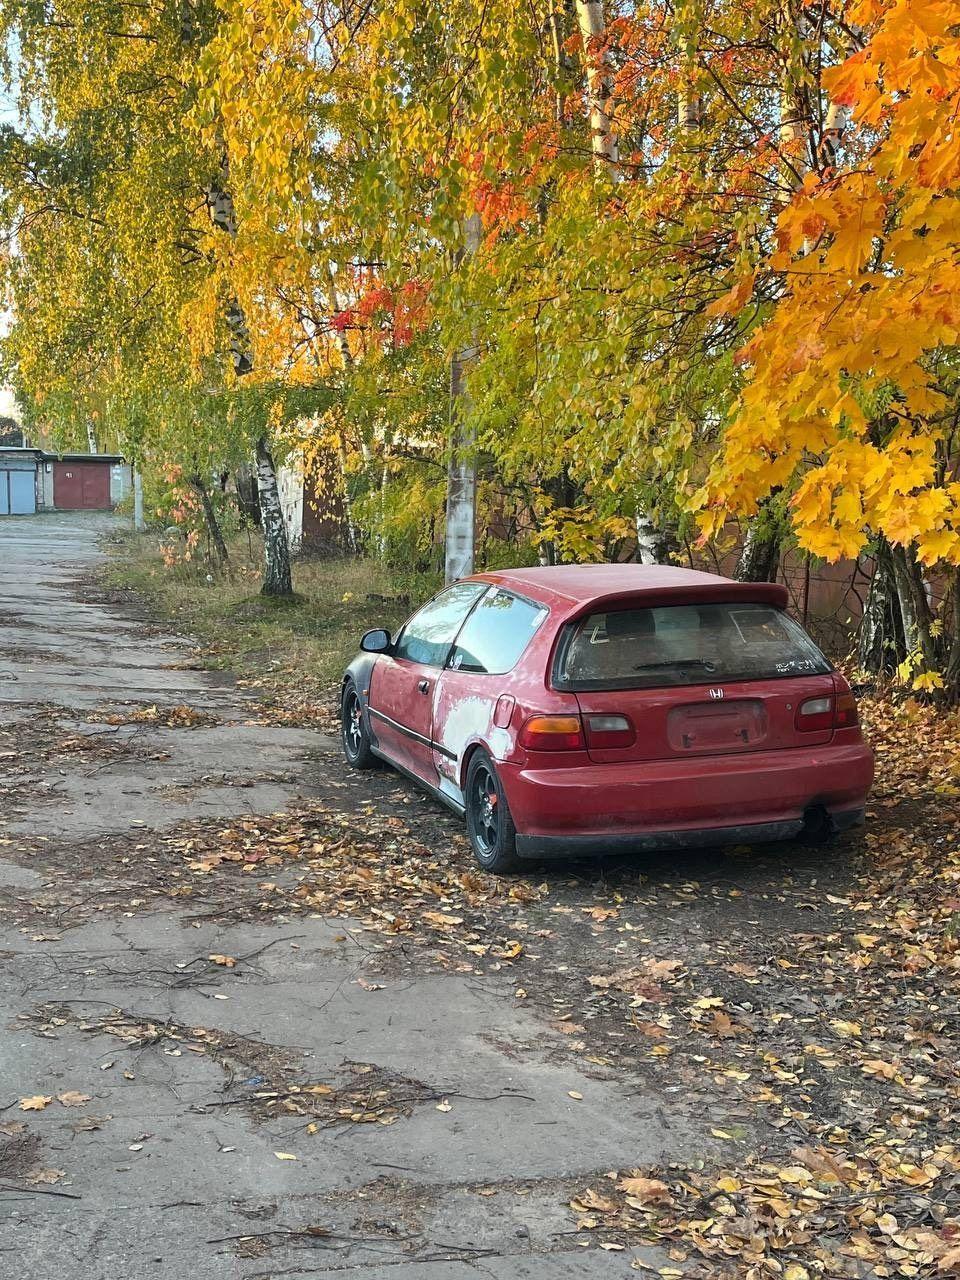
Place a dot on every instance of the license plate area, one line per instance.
(704, 727)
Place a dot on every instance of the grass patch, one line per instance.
(291, 651)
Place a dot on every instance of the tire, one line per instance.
(493, 837)
(353, 732)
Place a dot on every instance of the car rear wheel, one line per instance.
(493, 836)
(353, 731)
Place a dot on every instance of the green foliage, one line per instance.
(612, 232)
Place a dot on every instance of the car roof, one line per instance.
(579, 586)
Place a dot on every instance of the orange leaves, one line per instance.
(848, 82)
(851, 212)
(736, 299)
(892, 489)
(841, 400)
(501, 205)
(858, 219)
(397, 314)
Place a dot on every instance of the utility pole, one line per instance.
(139, 523)
(462, 468)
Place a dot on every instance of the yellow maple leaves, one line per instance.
(847, 393)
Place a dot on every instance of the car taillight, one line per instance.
(828, 712)
(815, 713)
(847, 716)
(552, 733)
(610, 731)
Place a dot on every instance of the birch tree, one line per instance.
(599, 77)
(277, 579)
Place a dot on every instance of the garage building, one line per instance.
(18, 481)
(35, 480)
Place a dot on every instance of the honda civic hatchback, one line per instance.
(591, 709)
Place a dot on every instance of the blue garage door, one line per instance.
(18, 492)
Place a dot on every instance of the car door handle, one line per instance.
(423, 685)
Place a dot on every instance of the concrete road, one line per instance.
(78, 657)
(172, 1164)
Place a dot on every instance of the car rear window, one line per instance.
(685, 644)
(496, 634)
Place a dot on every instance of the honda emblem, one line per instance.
(716, 693)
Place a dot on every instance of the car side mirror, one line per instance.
(375, 641)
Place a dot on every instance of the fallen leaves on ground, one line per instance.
(40, 748)
(180, 716)
(830, 1213)
(803, 1003)
(842, 1038)
(364, 1093)
(647, 1190)
(366, 866)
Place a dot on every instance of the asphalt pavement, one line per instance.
(171, 1164)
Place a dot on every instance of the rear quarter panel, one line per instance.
(466, 702)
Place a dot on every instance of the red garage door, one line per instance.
(81, 486)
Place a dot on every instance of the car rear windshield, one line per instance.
(684, 644)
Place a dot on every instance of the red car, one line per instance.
(606, 708)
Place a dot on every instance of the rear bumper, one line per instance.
(652, 841)
(684, 803)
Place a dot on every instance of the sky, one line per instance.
(8, 408)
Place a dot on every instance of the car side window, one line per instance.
(496, 634)
(427, 636)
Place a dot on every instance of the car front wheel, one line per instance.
(493, 836)
(353, 731)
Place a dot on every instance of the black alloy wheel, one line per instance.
(353, 731)
(493, 836)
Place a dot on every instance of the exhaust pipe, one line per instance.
(817, 824)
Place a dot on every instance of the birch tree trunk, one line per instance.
(688, 103)
(603, 139)
(914, 607)
(880, 644)
(460, 536)
(760, 553)
(384, 485)
(655, 542)
(951, 674)
(139, 523)
(277, 579)
(835, 124)
(836, 119)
